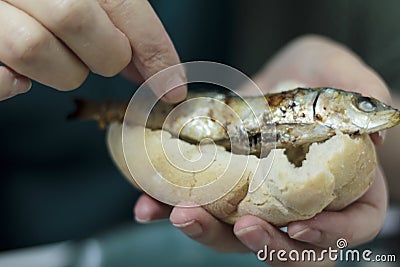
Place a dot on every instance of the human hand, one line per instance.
(312, 61)
(57, 43)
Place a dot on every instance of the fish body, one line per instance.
(287, 119)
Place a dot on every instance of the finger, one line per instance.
(260, 237)
(148, 209)
(86, 29)
(153, 50)
(378, 138)
(132, 74)
(346, 71)
(201, 226)
(358, 223)
(32, 51)
(12, 84)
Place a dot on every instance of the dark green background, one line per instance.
(57, 179)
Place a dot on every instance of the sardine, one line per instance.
(247, 125)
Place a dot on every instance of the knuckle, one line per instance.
(26, 46)
(113, 4)
(155, 57)
(69, 14)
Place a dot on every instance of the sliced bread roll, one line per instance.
(334, 174)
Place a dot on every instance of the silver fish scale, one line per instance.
(296, 110)
(287, 119)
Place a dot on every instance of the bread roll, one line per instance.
(334, 174)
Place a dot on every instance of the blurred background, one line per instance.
(64, 203)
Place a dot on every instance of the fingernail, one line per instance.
(21, 85)
(382, 135)
(142, 220)
(177, 86)
(307, 235)
(147, 220)
(253, 237)
(190, 228)
(175, 95)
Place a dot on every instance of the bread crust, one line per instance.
(333, 175)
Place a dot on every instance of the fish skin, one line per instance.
(249, 124)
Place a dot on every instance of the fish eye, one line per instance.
(365, 104)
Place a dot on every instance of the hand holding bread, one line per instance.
(312, 61)
(322, 189)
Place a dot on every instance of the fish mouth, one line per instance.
(387, 119)
(394, 117)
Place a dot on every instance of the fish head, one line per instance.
(379, 115)
(351, 112)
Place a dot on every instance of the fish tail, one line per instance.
(80, 105)
(104, 112)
